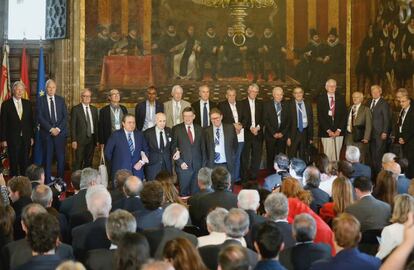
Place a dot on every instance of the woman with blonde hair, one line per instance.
(392, 235)
(293, 189)
(171, 194)
(342, 197)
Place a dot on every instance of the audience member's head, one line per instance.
(43, 233)
(269, 240)
(71, 265)
(152, 195)
(345, 169)
(19, 186)
(321, 162)
(221, 178)
(403, 162)
(298, 166)
(36, 173)
(276, 206)
(281, 162)
(133, 186)
(75, 178)
(362, 185)
(312, 176)
(171, 194)
(393, 167)
(386, 186)
(352, 154)
(132, 252)
(89, 177)
(347, 233)
(342, 194)
(181, 253)
(263, 193)
(304, 228)
(388, 157)
(293, 189)
(43, 195)
(7, 217)
(175, 215)
(119, 223)
(204, 178)
(215, 220)
(30, 211)
(248, 199)
(403, 204)
(236, 223)
(98, 201)
(233, 257)
(120, 177)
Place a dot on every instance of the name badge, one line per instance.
(330, 113)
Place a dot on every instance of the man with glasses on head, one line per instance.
(145, 111)
(84, 131)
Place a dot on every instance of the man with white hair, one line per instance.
(353, 155)
(173, 108)
(312, 179)
(215, 228)
(92, 235)
(388, 157)
(131, 202)
(174, 219)
(203, 106)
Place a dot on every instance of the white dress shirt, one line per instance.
(88, 107)
(391, 237)
(202, 111)
(17, 103)
(54, 103)
(214, 238)
(219, 148)
(403, 119)
(252, 111)
(240, 136)
(157, 134)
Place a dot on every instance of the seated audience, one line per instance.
(353, 155)
(171, 194)
(120, 177)
(293, 189)
(305, 252)
(43, 236)
(403, 183)
(388, 157)
(132, 253)
(327, 170)
(36, 175)
(345, 169)
(233, 257)
(131, 202)
(119, 223)
(363, 208)
(296, 169)
(174, 219)
(281, 165)
(7, 217)
(263, 193)
(204, 184)
(215, 228)
(237, 225)
(342, 197)
(392, 235)
(152, 197)
(268, 243)
(92, 235)
(183, 255)
(312, 179)
(66, 204)
(347, 235)
(385, 187)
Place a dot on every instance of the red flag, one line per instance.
(24, 75)
(5, 79)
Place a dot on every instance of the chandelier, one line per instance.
(238, 13)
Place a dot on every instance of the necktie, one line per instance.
(278, 112)
(373, 104)
(19, 109)
(217, 142)
(130, 144)
(300, 116)
(177, 113)
(205, 115)
(52, 111)
(190, 135)
(332, 106)
(161, 141)
(353, 116)
(400, 119)
(88, 123)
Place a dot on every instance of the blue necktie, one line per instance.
(130, 144)
(217, 142)
(300, 120)
(205, 115)
(52, 111)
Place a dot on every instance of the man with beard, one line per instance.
(335, 57)
(231, 63)
(272, 51)
(251, 50)
(208, 51)
(167, 43)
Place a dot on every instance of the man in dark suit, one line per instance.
(204, 184)
(188, 138)
(231, 111)
(131, 202)
(353, 155)
(145, 111)
(275, 119)
(203, 106)
(251, 119)
(221, 142)
(52, 116)
(127, 148)
(332, 120)
(84, 130)
(381, 126)
(152, 197)
(301, 126)
(405, 133)
(312, 179)
(110, 117)
(16, 132)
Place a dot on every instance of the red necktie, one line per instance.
(190, 135)
(332, 106)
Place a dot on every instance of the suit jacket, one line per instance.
(156, 156)
(327, 122)
(158, 238)
(407, 130)
(319, 196)
(360, 170)
(246, 118)
(294, 120)
(105, 127)
(381, 118)
(74, 204)
(130, 204)
(194, 206)
(225, 109)
(168, 109)
(302, 255)
(271, 122)
(192, 154)
(141, 111)
(117, 151)
(370, 220)
(149, 219)
(79, 124)
(43, 116)
(18, 208)
(403, 183)
(254, 221)
(230, 145)
(100, 259)
(41, 262)
(269, 265)
(12, 126)
(363, 119)
(196, 107)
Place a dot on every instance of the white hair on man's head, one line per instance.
(248, 199)
(175, 215)
(215, 220)
(352, 154)
(89, 177)
(98, 201)
(175, 88)
(388, 157)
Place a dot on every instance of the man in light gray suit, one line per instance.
(373, 214)
(359, 125)
(174, 108)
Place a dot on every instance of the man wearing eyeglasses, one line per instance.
(84, 131)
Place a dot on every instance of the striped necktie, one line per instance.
(131, 144)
